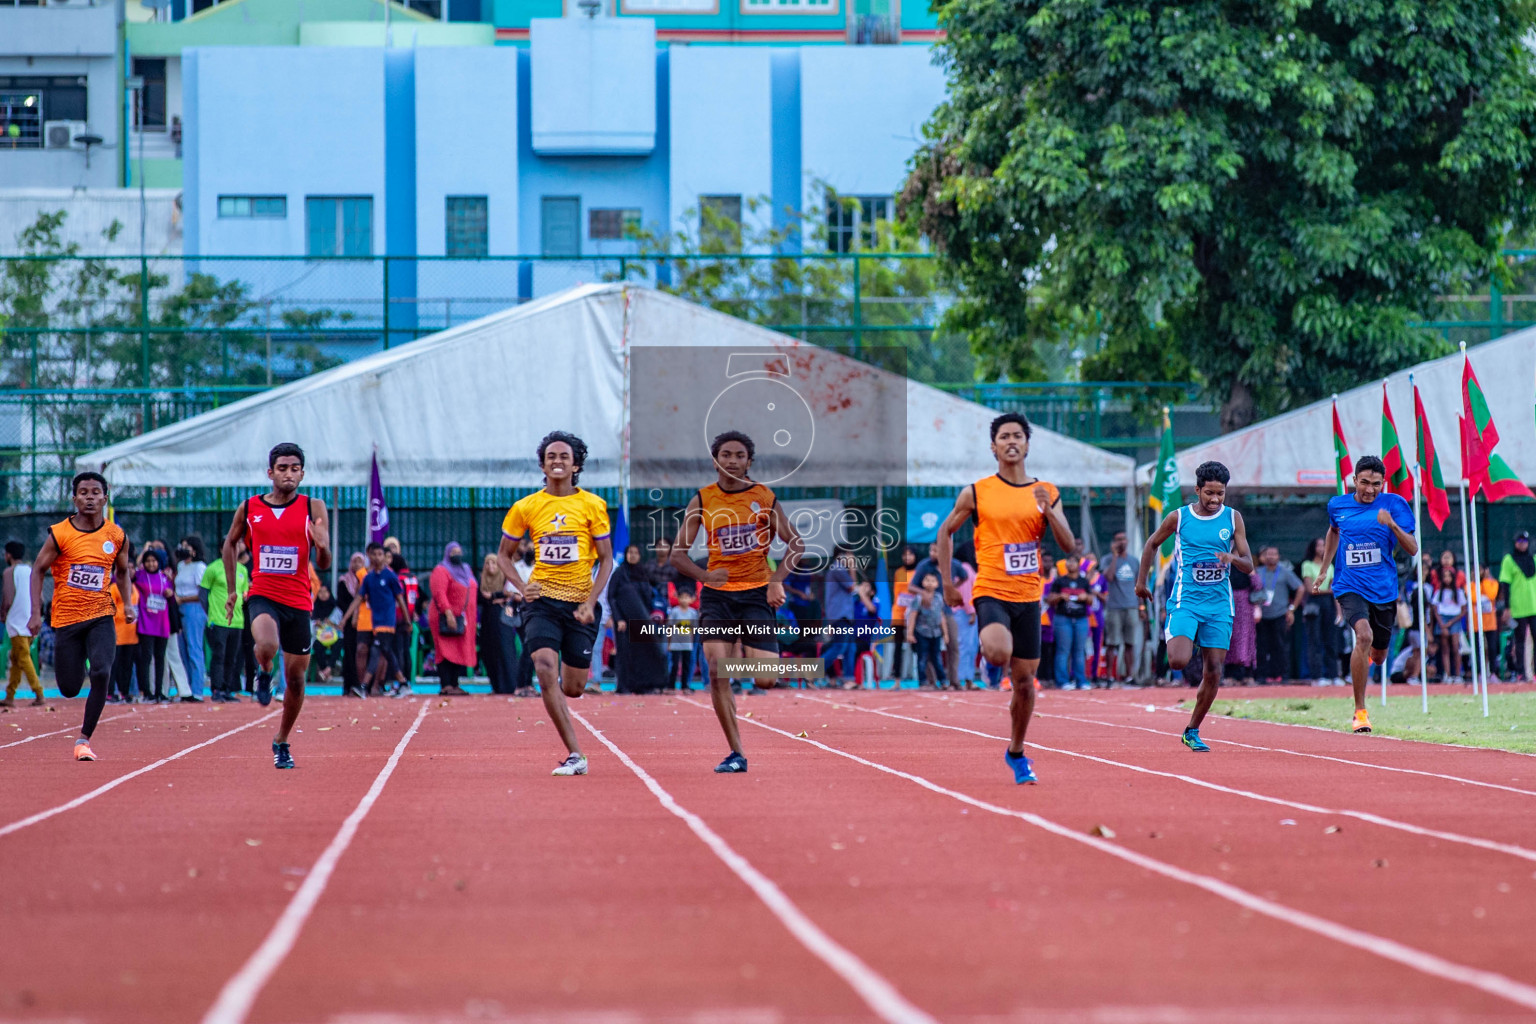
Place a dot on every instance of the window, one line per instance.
(560, 226)
(27, 102)
(720, 223)
(789, 6)
(151, 105)
(464, 226)
(339, 225)
(616, 223)
(265, 207)
(851, 220)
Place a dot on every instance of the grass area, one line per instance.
(1452, 718)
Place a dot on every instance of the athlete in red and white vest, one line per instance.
(280, 528)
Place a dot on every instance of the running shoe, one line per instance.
(575, 764)
(1193, 741)
(734, 763)
(282, 757)
(83, 751)
(1023, 767)
(264, 689)
(1362, 722)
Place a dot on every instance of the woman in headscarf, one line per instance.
(452, 616)
(1517, 585)
(492, 600)
(642, 666)
(346, 590)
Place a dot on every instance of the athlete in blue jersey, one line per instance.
(1363, 529)
(1211, 539)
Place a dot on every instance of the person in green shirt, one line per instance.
(224, 631)
(1517, 586)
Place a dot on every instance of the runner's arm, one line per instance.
(40, 566)
(320, 533)
(124, 568)
(1405, 540)
(1059, 528)
(1321, 583)
(687, 532)
(1164, 530)
(227, 550)
(507, 562)
(1240, 558)
(965, 507)
(786, 532)
(604, 546)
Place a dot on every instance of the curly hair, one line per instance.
(578, 450)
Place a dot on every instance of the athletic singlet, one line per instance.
(1203, 582)
(82, 574)
(565, 529)
(739, 527)
(1009, 526)
(279, 536)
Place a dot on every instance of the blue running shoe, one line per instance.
(1023, 767)
(264, 688)
(1193, 741)
(281, 756)
(733, 764)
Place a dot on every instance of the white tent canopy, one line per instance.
(1294, 451)
(467, 406)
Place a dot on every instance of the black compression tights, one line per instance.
(92, 643)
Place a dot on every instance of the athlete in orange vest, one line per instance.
(83, 552)
(1011, 510)
(280, 528)
(739, 518)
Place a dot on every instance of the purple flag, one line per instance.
(378, 512)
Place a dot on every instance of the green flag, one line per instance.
(1166, 494)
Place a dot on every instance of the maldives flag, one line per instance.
(1474, 458)
(1399, 480)
(1431, 479)
(1474, 406)
(1342, 466)
(1492, 473)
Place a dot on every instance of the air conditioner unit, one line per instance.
(62, 134)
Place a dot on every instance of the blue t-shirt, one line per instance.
(1363, 564)
(379, 590)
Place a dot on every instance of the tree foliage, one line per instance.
(1263, 198)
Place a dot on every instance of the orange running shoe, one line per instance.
(1007, 684)
(1362, 721)
(83, 751)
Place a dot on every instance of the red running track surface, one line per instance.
(884, 867)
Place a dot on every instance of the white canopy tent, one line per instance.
(481, 395)
(1294, 451)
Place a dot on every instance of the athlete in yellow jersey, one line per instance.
(739, 518)
(569, 528)
(1011, 511)
(84, 552)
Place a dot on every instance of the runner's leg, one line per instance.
(546, 665)
(1213, 663)
(295, 666)
(1360, 661)
(1021, 704)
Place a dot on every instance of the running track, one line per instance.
(421, 867)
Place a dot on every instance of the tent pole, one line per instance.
(1479, 653)
(1418, 535)
(1466, 557)
(335, 533)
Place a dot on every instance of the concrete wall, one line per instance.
(721, 126)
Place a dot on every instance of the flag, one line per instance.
(1166, 494)
(1474, 406)
(1486, 469)
(1399, 481)
(1474, 460)
(1502, 482)
(1431, 477)
(378, 512)
(1342, 466)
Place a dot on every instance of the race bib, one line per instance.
(1354, 557)
(557, 549)
(278, 559)
(154, 603)
(88, 577)
(737, 540)
(1021, 559)
(1208, 573)
(906, 599)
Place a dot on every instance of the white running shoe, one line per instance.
(576, 764)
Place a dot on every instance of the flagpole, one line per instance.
(1418, 536)
(1466, 548)
(1477, 609)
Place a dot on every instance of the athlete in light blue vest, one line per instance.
(1211, 539)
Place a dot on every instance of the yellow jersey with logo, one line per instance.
(738, 526)
(564, 529)
(82, 574)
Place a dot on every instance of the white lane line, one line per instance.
(878, 993)
(17, 826)
(1276, 750)
(1494, 845)
(56, 732)
(240, 991)
(1490, 982)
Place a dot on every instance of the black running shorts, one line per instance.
(93, 641)
(550, 623)
(1022, 619)
(293, 634)
(738, 607)
(1382, 617)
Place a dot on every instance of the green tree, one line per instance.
(1262, 198)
